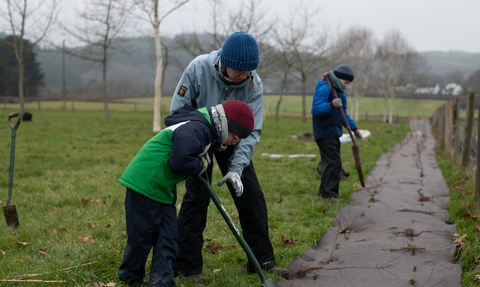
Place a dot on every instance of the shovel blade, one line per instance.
(270, 283)
(11, 217)
(356, 155)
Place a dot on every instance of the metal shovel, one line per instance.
(10, 211)
(356, 152)
(265, 282)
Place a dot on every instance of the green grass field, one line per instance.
(70, 205)
(290, 106)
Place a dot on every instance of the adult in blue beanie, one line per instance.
(327, 127)
(212, 79)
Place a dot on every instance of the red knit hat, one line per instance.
(239, 117)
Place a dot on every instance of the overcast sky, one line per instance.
(428, 25)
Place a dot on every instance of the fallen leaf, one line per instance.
(466, 216)
(212, 247)
(325, 210)
(344, 231)
(111, 284)
(320, 224)
(477, 278)
(99, 201)
(179, 205)
(94, 225)
(42, 251)
(64, 228)
(281, 199)
(84, 239)
(285, 240)
(233, 245)
(292, 213)
(86, 199)
(464, 205)
(123, 232)
(215, 271)
(108, 226)
(460, 244)
(3, 252)
(23, 243)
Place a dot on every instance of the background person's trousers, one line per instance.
(149, 224)
(330, 166)
(192, 219)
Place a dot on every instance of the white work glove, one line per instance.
(234, 179)
(206, 161)
(358, 136)
(337, 103)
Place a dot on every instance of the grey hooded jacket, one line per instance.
(201, 86)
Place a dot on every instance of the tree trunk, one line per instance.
(304, 110)
(21, 95)
(357, 108)
(385, 103)
(158, 79)
(390, 117)
(282, 88)
(63, 77)
(105, 101)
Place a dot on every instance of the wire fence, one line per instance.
(456, 123)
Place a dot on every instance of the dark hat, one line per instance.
(240, 52)
(239, 118)
(344, 72)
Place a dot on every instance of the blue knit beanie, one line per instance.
(344, 72)
(240, 52)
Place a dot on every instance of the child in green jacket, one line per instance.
(177, 151)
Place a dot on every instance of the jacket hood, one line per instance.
(188, 113)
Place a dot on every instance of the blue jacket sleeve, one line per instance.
(188, 143)
(321, 105)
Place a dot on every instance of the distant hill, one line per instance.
(442, 63)
(135, 65)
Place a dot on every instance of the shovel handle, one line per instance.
(14, 115)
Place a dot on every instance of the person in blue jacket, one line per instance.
(178, 151)
(327, 127)
(208, 80)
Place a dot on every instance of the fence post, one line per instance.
(477, 174)
(135, 107)
(73, 102)
(455, 126)
(39, 104)
(467, 139)
(448, 126)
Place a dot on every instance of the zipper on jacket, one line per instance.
(225, 94)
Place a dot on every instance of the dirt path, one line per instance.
(395, 232)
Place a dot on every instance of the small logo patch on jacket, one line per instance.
(182, 91)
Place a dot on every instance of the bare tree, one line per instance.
(355, 47)
(151, 9)
(27, 22)
(309, 48)
(250, 18)
(102, 23)
(396, 64)
(285, 38)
